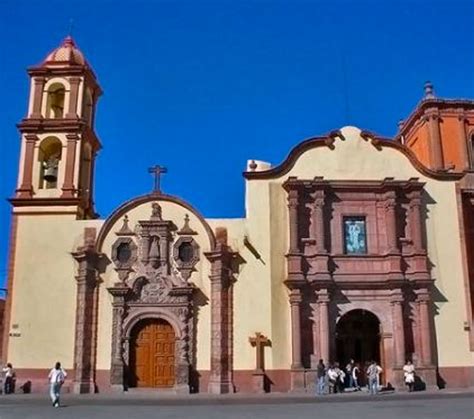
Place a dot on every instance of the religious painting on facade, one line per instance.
(355, 236)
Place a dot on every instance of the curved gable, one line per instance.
(348, 153)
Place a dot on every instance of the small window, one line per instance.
(124, 253)
(355, 236)
(49, 158)
(471, 150)
(55, 101)
(186, 252)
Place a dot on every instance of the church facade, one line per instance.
(355, 247)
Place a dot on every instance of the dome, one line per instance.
(67, 54)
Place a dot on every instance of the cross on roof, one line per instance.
(157, 171)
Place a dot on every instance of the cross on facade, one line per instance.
(259, 341)
(157, 171)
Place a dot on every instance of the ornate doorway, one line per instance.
(358, 338)
(152, 354)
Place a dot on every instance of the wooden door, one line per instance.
(152, 354)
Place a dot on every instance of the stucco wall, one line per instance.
(44, 294)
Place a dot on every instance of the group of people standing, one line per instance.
(333, 379)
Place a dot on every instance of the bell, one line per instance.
(51, 174)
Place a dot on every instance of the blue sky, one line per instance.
(201, 87)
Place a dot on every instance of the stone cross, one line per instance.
(259, 341)
(157, 171)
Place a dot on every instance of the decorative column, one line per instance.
(86, 308)
(68, 186)
(220, 380)
(37, 97)
(73, 96)
(463, 140)
(424, 300)
(117, 368)
(26, 188)
(398, 327)
(294, 255)
(436, 149)
(317, 221)
(293, 198)
(324, 343)
(415, 220)
(295, 301)
(391, 221)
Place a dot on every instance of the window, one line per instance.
(124, 253)
(55, 101)
(49, 157)
(355, 236)
(186, 252)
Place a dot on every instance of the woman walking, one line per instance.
(409, 373)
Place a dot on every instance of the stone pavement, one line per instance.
(136, 405)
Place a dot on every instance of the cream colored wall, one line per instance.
(200, 278)
(44, 294)
(355, 159)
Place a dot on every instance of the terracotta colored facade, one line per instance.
(355, 246)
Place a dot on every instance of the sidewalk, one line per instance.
(148, 397)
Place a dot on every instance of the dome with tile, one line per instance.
(66, 53)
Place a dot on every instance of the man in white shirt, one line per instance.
(56, 379)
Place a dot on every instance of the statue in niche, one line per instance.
(154, 254)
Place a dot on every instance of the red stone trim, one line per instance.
(10, 282)
(455, 377)
(442, 104)
(376, 141)
(135, 202)
(44, 202)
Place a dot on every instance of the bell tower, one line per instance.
(58, 140)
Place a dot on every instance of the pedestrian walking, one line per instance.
(333, 377)
(409, 375)
(56, 377)
(8, 379)
(355, 377)
(373, 373)
(320, 377)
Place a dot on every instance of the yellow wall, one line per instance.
(44, 294)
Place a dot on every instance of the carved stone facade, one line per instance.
(390, 278)
(153, 284)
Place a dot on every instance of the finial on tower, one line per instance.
(429, 90)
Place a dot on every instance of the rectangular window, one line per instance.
(355, 236)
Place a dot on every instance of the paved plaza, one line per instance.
(136, 406)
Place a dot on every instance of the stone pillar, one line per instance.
(86, 320)
(37, 97)
(220, 380)
(68, 185)
(436, 149)
(398, 328)
(73, 97)
(295, 301)
(424, 310)
(117, 368)
(463, 140)
(293, 215)
(391, 222)
(324, 329)
(26, 188)
(415, 220)
(317, 221)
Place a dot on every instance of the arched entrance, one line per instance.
(358, 338)
(152, 354)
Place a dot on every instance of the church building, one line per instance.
(354, 247)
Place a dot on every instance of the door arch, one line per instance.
(358, 337)
(152, 354)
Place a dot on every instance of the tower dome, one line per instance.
(66, 54)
